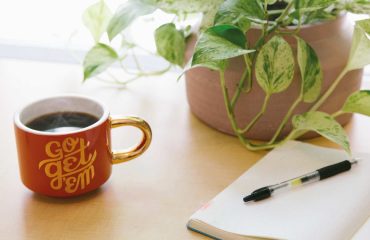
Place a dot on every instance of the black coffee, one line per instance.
(62, 122)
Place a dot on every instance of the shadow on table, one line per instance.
(79, 199)
(85, 217)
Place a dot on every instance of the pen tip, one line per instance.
(248, 198)
(355, 161)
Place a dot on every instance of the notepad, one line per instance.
(335, 208)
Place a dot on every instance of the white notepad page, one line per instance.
(334, 208)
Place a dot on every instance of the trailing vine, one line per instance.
(270, 59)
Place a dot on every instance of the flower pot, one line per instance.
(331, 41)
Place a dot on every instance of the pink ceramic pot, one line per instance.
(331, 41)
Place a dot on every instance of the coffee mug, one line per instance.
(64, 144)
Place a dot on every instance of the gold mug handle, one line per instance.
(127, 155)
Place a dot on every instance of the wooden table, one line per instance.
(151, 197)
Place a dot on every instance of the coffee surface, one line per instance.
(62, 122)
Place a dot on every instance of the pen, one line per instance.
(320, 174)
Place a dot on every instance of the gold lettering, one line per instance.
(69, 144)
(54, 152)
(81, 181)
(52, 149)
(70, 183)
(54, 170)
(56, 183)
(67, 165)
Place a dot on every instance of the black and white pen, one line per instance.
(320, 174)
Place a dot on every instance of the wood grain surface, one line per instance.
(151, 197)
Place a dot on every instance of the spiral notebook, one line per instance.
(335, 208)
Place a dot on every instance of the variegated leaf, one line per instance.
(239, 10)
(360, 50)
(99, 58)
(358, 102)
(96, 19)
(126, 14)
(323, 124)
(275, 66)
(170, 43)
(311, 72)
(217, 44)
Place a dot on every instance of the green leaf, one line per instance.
(207, 7)
(311, 72)
(323, 124)
(99, 58)
(297, 11)
(312, 11)
(360, 49)
(230, 33)
(96, 19)
(358, 6)
(275, 65)
(217, 44)
(209, 15)
(319, 16)
(234, 13)
(241, 21)
(186, 6)
(170, 43)
(239, 10)
(313, 5)
(358, 102)
(126, 14)
(217, 65)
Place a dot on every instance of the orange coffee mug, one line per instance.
(64, 144)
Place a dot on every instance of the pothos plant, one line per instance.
(222, 36)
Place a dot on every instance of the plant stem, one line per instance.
(245, 76)
(266, 17)
(275, 11)
(329, 91)
(112, 76)
(228, 106)
(321, 101)
(295, 32)
(337, 113)
(248, 64)
(136, 76)
(290, 136)
(232, 119)
(116, 82)
(125, 69)
(138, 66)
(155, 73)
(239, 89)
(298, 26)
(286, 118)
(145, 74)
(285, 12)
(258, 116)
